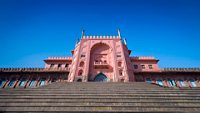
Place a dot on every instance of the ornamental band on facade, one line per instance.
(100, 59)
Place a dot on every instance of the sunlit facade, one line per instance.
(100, 59)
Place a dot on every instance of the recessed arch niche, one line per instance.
(100, 60)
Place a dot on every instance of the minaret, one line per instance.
(83, 33)
(124, 39)
(119, 34)
(77, 41)
(125, 42)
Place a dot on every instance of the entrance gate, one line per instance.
(101, 78)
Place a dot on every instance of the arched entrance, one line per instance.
(100, 62)
(101, 78)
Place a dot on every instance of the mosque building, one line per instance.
(100, 59)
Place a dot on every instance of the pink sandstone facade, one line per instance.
(104, 58)
(100, 59)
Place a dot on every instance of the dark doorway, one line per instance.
(101, 78)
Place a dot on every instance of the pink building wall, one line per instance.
(100, 54)
(107, 55)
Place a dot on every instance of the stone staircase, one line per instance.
(100, 97)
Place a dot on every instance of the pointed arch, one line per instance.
(100, 44)
(101, 78)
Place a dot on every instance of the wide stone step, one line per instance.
(100, 101)
(99, 96)
(189, 99)
(102, 109)
(96, 92)
(103, 104)
(106, 89)
(95, 84)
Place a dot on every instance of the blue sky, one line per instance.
(32, 30)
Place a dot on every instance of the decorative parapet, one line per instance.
(180, 69)
(143, 58)
(59, 58)
(34, 69)
(101, 37)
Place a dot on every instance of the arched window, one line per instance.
(54, 80)
(150, 66)
(122, 80)
(52, 66)
(193, 83)
(160, 82)
(2, 82)
(135, 66)
(171, 82)
(42, 82)
(32, 83)
(101, 78)
(119, 64)
(22, 83)
(148, 80)
(81, 64)
(100, 61)
(182, 83)
(59, 65)
(80, 72)
(11, 83)
(143, 66)
(120, 72)
(79, 80)
(66, 65)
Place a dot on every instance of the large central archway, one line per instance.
(101, 78)
(100, 61)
